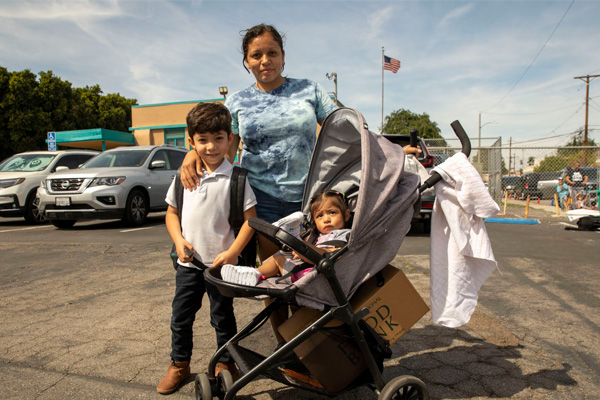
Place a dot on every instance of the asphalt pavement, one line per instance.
(85, 314)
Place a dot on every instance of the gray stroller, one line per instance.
(369, 169)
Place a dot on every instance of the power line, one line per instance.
(535, 58)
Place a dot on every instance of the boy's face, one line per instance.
(211, 147)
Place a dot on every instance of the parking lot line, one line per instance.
(138, 229)
(24, 229)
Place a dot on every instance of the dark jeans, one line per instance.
(189, 291)
(270, 209)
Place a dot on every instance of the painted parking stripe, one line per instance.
(25, 229)
(139, 229)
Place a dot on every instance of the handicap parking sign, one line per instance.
(51, 141)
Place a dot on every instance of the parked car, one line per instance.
(547, 183)
(527, 186)
(428, 161)
(509, 183)
(21, 174)
(125, 183)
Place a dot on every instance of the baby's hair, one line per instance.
(338, 199)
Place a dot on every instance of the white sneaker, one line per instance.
(291, 224)
(240, 275)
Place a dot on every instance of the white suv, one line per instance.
(122, 183)
(20, 177)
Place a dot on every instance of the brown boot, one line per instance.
(230, 366)
(177, 373)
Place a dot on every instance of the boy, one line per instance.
(202, 238)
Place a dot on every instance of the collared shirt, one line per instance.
(205, 215)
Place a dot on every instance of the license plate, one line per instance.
(62, 201)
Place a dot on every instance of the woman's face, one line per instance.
(265, 59)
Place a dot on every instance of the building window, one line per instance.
(175, 137)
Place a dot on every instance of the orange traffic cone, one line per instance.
(538, 201)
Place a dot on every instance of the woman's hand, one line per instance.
(226, 257)
(191, 169)
(408, 149)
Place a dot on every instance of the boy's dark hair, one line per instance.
(255, 32)
(208, 117)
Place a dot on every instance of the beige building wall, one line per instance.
(148, 122)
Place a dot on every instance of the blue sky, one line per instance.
(514, 61)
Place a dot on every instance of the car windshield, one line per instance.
(510, 180)
(118, 158)
(26, 162)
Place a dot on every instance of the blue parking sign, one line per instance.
(51, 141)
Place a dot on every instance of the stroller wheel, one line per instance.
(226, 380)
(202, 387)
(404, 387)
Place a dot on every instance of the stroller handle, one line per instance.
(466, 150)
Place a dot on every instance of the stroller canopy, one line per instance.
(351, 159)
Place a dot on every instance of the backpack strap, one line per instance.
(178, 192)
(236, 200)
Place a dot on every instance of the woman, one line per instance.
(276, 120)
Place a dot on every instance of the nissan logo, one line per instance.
(64, 185)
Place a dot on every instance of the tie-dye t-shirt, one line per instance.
(278, 133)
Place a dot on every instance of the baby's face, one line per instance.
(329, 217)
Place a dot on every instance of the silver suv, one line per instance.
(123, 183)
(20, 177)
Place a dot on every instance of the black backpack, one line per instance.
(236, 215)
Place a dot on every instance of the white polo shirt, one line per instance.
(205, 214)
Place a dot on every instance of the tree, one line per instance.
(32, 107)
(400, 122)
(567, 155)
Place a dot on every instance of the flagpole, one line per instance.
(382, 61)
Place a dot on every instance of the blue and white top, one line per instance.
(278, 133)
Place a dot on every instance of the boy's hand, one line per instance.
(226, 257)
(191, 168)
(185, 251)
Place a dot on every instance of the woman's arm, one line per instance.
(233, 148)
(191, 168)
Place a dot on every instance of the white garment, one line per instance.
(205, 214)
(411, 164)
(461, 252)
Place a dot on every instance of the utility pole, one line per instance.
(587, 102)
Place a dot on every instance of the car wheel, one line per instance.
(63, 223)
(136, 208)
(33, 215)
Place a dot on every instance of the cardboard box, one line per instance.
(334, 360)
(395, 306)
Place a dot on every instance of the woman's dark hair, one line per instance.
(256, 31)
(337, 198)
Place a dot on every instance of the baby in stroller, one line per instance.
(329, 215)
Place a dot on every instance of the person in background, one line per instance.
(562, 191)
(576, 181)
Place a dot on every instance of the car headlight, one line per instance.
(6, 183)
(108, 181)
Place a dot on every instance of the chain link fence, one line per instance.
(524, 180)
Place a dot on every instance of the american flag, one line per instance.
(391, 64)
